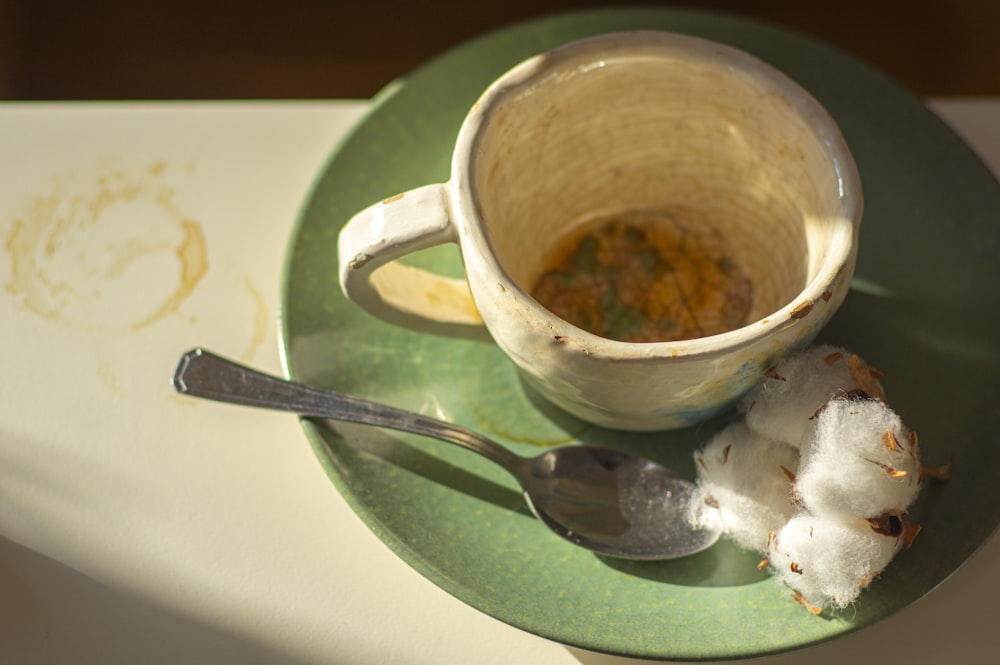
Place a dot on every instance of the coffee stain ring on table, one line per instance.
(76, 248)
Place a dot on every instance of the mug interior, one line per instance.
(640, 122)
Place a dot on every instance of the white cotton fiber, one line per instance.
(858, 460)
(817, 477)
(829, 561)
(744, 485)
(794, 389)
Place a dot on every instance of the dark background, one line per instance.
(200, 49)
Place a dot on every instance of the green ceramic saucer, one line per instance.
(924, 310)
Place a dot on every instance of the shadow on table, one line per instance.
(50, 613)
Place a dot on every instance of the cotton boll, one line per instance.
(743, 520)
(858, 460)
(781, 406)
(829, 561)
(744, 485)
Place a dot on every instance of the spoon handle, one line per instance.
(201, 373)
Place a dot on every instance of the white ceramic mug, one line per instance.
(619, 123)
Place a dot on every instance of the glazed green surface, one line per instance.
(924, 310)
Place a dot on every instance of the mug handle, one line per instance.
(370, 276)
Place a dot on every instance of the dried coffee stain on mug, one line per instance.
(77, 251)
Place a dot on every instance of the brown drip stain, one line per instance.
(261, 320)
(107, 375)
(72, 244)
(20, 245)
(193, 258)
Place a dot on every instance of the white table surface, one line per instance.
(137, 526)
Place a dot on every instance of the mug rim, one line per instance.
(463, 199)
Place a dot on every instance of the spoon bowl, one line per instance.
(602, 499)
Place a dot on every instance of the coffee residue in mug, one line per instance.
(646, 276)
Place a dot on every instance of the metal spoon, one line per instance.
(604, 500)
